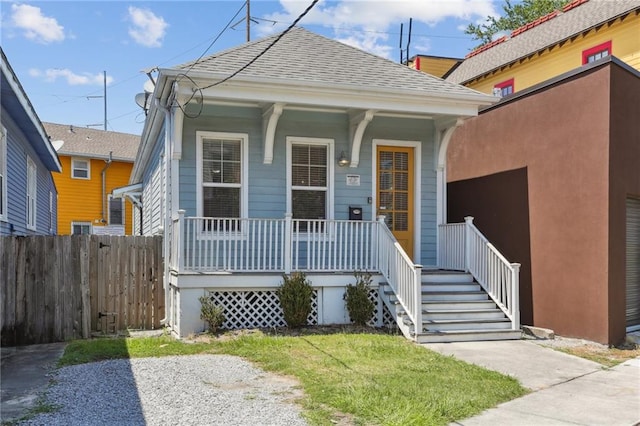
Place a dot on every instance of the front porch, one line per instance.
(240, 262)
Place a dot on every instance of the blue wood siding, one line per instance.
(152, 193)
(18, 148)
(267, 182)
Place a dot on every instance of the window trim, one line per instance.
(504, 84)
(73, 223)
(4, 216)
(32, 198)
(124, 213)
(73, 168)
(330, 144)
(244, 173)
(595, 50)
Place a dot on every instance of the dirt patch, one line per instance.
(602, 354)
(225, 335)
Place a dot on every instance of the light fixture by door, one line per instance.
(343, 160)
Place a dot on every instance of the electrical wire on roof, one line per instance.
(199, 90)
(266, 49)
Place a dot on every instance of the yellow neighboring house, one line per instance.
(582, 32)
(94, 162)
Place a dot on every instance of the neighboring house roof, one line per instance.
(15, 101)
(576, 18)
(312, 58)
(85, 142)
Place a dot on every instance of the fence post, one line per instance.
(515, 295)
(417, 281)
(181, 231)
(287, 242)
(468, 220)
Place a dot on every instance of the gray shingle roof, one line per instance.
(302, 56)
(84, 142)
(546, 34)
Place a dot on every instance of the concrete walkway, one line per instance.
(567, 390)
(24, 376)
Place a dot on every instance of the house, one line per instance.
(28, 195)
(558, 190)
(300, 153)
(582, 32)
(438, 66)
(94, 162)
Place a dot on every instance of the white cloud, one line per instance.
(363, 23)
(36, 26)
(85, 79)
(148, 29)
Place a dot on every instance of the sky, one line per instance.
(62, 50)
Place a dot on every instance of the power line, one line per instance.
(266, 49)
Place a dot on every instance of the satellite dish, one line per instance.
(142, 100)
(57, 145)
(149, 86)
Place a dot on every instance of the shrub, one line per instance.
(295, 298)
(211, 313)
(359, 306)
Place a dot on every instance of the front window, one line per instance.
(80, 228)
(32, 189)
(116, 211)
(504, 88)
(310, 169)
(3, 173)
(222, 178)
(80, 168)
(597, 52)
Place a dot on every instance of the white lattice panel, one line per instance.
(256, 309)
(386, 318)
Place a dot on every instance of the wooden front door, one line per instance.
(394, 190)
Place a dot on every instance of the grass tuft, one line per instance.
(347, 378)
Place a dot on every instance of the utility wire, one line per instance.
(248, 64)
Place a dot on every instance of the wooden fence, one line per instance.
(59, 288)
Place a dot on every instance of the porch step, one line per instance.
(453, 286)
(453, 296)
(461, 305)
(466, 324)
(461, 314)
(468, 336)
(441, 276)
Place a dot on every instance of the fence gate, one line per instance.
(126, 277)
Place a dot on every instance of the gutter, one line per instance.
(104, 187)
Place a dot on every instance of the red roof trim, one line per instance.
(533, 24)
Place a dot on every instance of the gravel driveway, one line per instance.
(175, 390)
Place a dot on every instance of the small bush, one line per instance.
(295, 298)
(359, 306)
(211, 313)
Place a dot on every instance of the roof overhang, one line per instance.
(132, 192)
(16, 102)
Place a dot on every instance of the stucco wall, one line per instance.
(560, 134)
(624, 182)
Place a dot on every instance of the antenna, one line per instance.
(401, 26)
(104, 74)
(409, 39)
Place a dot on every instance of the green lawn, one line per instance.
(369, 378)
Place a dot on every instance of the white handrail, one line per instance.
(462, 246)
(402, 275)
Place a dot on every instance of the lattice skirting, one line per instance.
(261, 308)
(256, 309)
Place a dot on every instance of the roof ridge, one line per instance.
(527, 26)
(235, 49)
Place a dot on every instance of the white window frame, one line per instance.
(330, 144)
(244, 176)
(3, 173)
(81, 224)
(73, 168)
(124, 212)
(32, 194)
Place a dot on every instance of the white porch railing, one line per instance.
(463, 247)
(272, 245)
(283, 245)
(402, 275)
